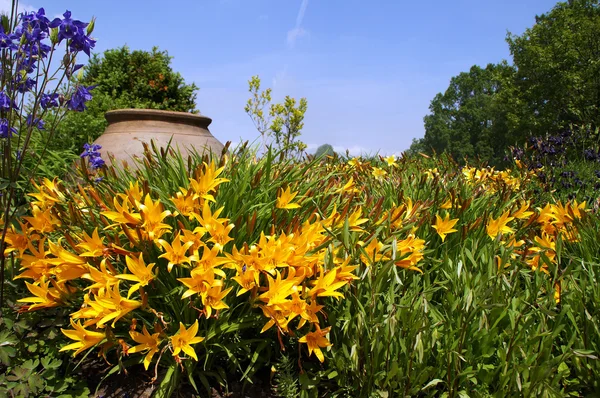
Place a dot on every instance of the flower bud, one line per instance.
(5, 23)
(54, 35)
(66, 61)
(90, 27)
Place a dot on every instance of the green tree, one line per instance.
(282, 123)
(324, 150)
(257, 108)
(557, 64)
(469, 119)
(288, 121)
(125, 79)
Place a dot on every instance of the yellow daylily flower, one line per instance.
(44, 295)
(326, 285)
(390, 160)
(499, 225)
(140, 273)
(42, 221)
(185, 203)
(523, 213)
(200, 281)
(205, 181)
(279, 289)
(114, 306)
(379, 173)
(84, 338)
(247, 279)
(212, 299)
(284, 199)
(153, 214)
(374, 252)
(184, 339)
(146, 342)
(17, 240)
(124, 212)
(444, 226)
(92, 246)
(103, 278)
(175, 252)
(316, 340)
(349, 187)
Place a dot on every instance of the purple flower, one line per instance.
(79, 98)
(24, 86)
(39, 49)
(6, 103)
(5, 131)
(32, 34)
(82, 43)
(67, 27)
(96, 162)
(37, 122)
(6, 41)
(36, 19)
(49, 100)
(91, 152)
(71, 71)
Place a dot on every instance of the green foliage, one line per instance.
(257, 109)
(468, 326)
(286, 378)
(125, 79)
(30, 362)
(284, 121)
(468, 120)
(557, 68)
(552, 83)
(288, 121)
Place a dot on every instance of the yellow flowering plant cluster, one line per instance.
(143, 279)
(527, 234)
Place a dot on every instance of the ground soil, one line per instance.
(137, 383)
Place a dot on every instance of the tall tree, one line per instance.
(558, 68)
(468, 120)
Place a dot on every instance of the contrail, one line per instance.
(297, 31)
(300, 16)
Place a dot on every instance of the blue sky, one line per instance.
(368, 69)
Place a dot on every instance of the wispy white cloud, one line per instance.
(279, 76)
(297, 32)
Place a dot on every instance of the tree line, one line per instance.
(552, 82)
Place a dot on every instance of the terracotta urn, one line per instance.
(128, 128)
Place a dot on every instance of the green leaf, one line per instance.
(432, 383)
(166, 387)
